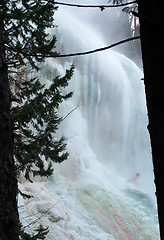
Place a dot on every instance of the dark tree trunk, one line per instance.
(152, 44)
(9, 224)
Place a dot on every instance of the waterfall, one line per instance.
(90, 196)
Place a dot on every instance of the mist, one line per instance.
(111, 24)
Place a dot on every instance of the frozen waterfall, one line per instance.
(89, 196)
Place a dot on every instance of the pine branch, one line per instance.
(24, 195)
(75, 54)
(102, 7)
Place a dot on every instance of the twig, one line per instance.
(71, 136)
(70, 112)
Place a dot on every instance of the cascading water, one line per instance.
(89, 196)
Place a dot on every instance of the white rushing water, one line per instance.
(92, 196)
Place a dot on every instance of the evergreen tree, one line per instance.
(35, 121)
(24, 42)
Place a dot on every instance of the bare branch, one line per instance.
(75, 54)
(99, 49)
(102, 7)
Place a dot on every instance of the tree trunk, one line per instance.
(9, 223)
(152, 44)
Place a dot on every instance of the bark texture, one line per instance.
(9, 224)
(152, 44)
